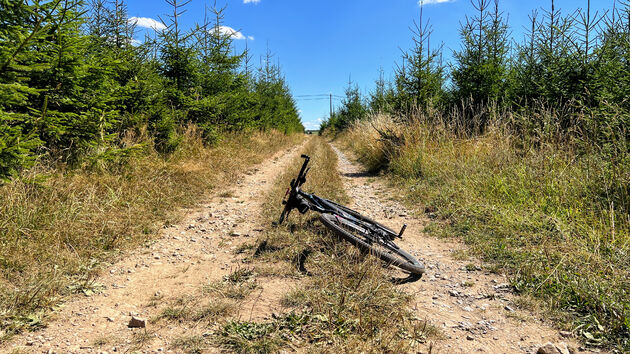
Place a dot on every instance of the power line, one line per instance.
(318, 99)
(320, 95)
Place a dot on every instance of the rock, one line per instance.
(508, 308)
(468, 309)
(453, 293)
(137, 322)
(502, 287)
(469, 337)
(548, 348)
(562, 348)
(235, 234)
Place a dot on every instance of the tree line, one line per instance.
(569, 75)
(74, 82)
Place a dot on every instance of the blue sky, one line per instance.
(321, 44)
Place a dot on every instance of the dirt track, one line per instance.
(187, 256)
(473, 308)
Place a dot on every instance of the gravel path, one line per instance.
(186, 256)
(473, 308)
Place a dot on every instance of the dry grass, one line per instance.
(556, 219)
(346, 303)
(58, 228)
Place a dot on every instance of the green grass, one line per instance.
(556, 220)
(59, 228)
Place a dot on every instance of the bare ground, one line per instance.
(474, 309)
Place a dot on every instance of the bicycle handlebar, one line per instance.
(301, 178)
(292, 200)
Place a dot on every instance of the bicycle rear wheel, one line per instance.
(358, 235)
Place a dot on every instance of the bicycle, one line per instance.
(363, 232)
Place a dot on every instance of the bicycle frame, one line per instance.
(304, 202)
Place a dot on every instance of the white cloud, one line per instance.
(135, 42)
(251, 1)
(146, 22)
(310, 125)
(229, 31)
(433, 2)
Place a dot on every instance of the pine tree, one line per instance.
(420, 79)
(481, 65)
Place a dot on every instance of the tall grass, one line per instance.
(58, 227)
(545, 207)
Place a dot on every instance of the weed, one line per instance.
(213, 310)
(249, 337)
(101, 341)
(175, 313)
(231, 290)
(226, 194)
(239, 276)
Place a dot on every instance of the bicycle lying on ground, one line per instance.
(363, 232)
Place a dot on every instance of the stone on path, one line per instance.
(137, 322)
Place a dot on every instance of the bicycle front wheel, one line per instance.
(361, 237)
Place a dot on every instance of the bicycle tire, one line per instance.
(395, 256)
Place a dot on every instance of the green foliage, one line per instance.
(352, 109)
(481, 65)
(73, 80)
(16, 149)
(419, 82)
